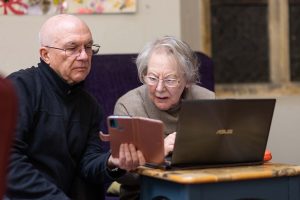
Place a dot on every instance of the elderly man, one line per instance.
(57, 140)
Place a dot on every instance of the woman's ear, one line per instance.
(44, 54)
(188, 85)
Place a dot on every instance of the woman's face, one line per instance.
(164, 67)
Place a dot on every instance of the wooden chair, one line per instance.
(8, 116)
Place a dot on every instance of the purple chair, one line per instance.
(113, 75)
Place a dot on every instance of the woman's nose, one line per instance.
(160, 85)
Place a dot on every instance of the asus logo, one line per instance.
(224, 131)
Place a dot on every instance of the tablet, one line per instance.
(144, 133)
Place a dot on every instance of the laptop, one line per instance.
(221, 132)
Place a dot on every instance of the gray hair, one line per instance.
(183, 54)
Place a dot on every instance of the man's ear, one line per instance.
(44, 54)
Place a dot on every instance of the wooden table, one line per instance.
(268, 181)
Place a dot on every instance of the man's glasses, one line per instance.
(76, 51)
(168, 82)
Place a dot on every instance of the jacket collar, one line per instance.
(56, 82)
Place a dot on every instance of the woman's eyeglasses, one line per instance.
(168, 82)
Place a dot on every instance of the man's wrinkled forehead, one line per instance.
(57, 27)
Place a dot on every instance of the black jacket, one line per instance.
(56, 138)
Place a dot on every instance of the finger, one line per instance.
(121, 156)
(112, 162)
(134, 156)
(141, 158)
(173, 135)
(171, 147)
(128, 159)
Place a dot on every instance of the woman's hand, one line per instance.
(169, 143)
(129, 158)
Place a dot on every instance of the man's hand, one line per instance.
(169, 143)
(129, 158)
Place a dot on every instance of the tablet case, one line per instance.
(146, 134)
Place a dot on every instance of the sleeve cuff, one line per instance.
(115, 172)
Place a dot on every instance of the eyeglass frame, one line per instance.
(163, 80)
(79, 52)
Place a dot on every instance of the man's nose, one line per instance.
(83, 54)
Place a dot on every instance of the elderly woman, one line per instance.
(169, 70)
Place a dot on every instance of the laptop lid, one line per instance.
(222, 132)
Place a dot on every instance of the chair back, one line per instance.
(8, 116)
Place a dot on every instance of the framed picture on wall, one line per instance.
(49, 7)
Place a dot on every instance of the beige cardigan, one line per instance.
(137, 103)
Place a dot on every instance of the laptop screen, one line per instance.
(222, 131)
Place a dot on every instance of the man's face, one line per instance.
(72, 61)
